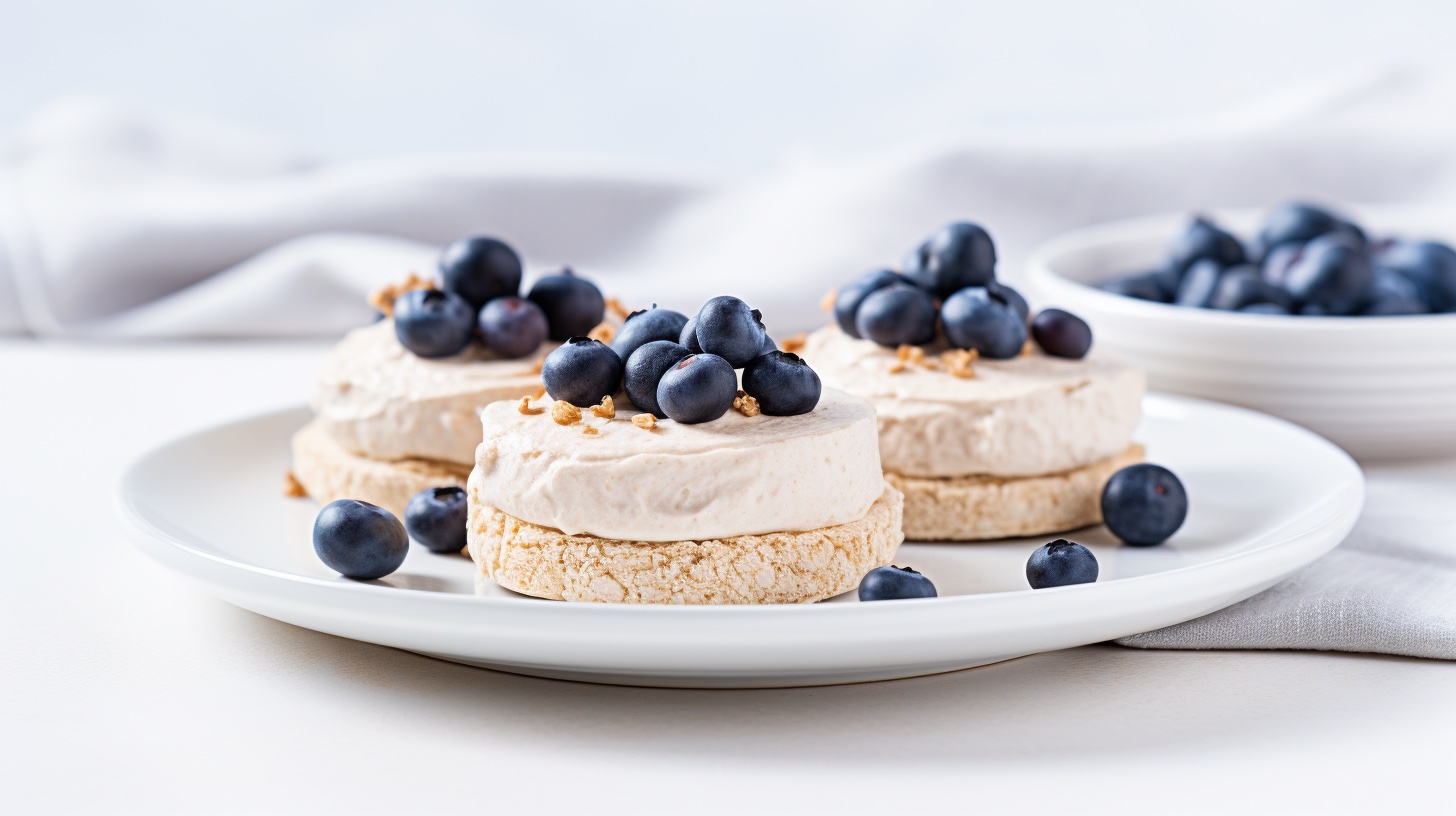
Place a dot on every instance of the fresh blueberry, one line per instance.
(893, 584)
(646, 326)
(1198, 284)
(697, 388)
(1142, 286)
(958, 255)
(1332, 272)
(480, 269)
(1062, 334)
(1392, 293)
(783, 384)
(1278, 262)
(1431, 266)
(1242, 286)
(1265, 308)
(688, 339)
(1010, 297)
(512, 327)
(897, 314)
(581, 371)
(359, 540)
(768, 345)
(729, 329)
(433, 322)
(1060, 563)
(573, 305)
(975, 320)
(1313, 310)
(644, 371)
(1144, 504)
(846, 304)
(1203, 239)
(1297, 223)
(435, 517)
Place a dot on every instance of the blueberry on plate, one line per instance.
(1204, 239)
(729, 329)
(359, 540)
(1144, 504)
(435, 517)
(433, 322)
(573, 305)
(1276, 265)
(1198, 284)
(897, 314)
(1141, 286)
(581, 371)
(697, 388)
(645, 326)
(783, 384)
(847, 302)
(644, 371)
(1265, 308)
(1298, 223)
(1430, 265)
(1242, 286)
(480, 269)
(512, 327)
(1061, 563)
(1010, 297)
(893, 584)
(1062, 334)
(688, 339)
(975, 320)
(1333, 272)
(1392, 293)
(958, 255)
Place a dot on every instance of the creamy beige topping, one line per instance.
(377, 399)
(737, 475)
(1027, 416)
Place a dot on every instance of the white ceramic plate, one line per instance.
(1267, 497)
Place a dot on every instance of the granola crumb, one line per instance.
(645, 421)
(536, 369)
(617, 309)
(540, 392)
(1028, 348)
(564, 413)
(746, 405)
(898, 366)
(603, 332)
(607, 409)
(795, 343)
(590, 430)
(958, 362)
(292, 488)
(525, 407)
(383, 298)
(826, 303)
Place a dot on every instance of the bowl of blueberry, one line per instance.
(1343, 324)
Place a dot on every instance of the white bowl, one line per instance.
(1380, 387)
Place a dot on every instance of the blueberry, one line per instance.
(1010, 297)
(1062, 334)
(1203, 239)
(1144, 504)
(1199, 283)
(1431, 266)
(435, 517)
(512, 327)
(847, 302)
(768, 345)
(697, 388)
(573, 305)
(1265, 308)
(644, 371)
(1392, 293)
(480, 269)
(1299, 223)
(688, 339)
(1142, 286)
(1333, 272)
(897, 314)
(359, 540)
(975, 320)
(1060, 563)
(433, 322)
(958, 255)
(581, 371)
(783, 384)
(646, 326)
(729, 329)
(1313, 310)
(893, 584)
(1242, 286)
(1278, 262)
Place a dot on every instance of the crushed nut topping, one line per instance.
(606, 410)
(1028, 348)
(540, 392)
(958, 362)
(292, 487)
(746, 405)
(898, 366)
(645, 421)
(603, 332)
(617, 309)
(908, 355)
(564, 413)
(525, 407)
(590, 430)
(795, 343)
(383, 298)
(826, 303)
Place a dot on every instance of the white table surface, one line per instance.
(125, 688)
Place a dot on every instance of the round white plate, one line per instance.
(1267, 497)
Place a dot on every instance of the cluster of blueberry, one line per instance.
(684, 369)
(480, 297)
(949, 281)
(363, 541)
(1142, 505)
(1305, 261)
